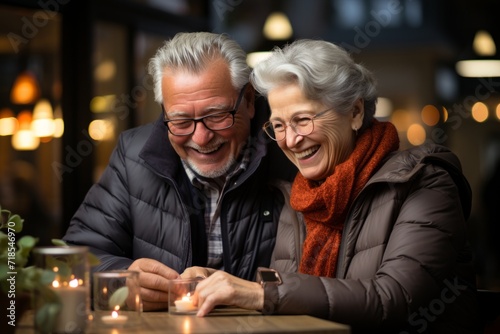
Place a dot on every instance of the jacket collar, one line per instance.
(158, 153)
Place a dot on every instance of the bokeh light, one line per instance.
(479, 112)
(430, 115)
(416, 134)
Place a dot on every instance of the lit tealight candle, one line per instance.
(72, 296)
(114, 319)
(185, 304)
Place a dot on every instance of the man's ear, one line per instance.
(358, 114)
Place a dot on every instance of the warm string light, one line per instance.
(25, 89)
(480, 112)
(29, 129)
(102, 129)
(24, 139)
(276, 28)
(43, 119)
(58, 122)
(483, 44)
(484, 64)
(8, 123)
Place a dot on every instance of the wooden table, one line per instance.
(225, 320)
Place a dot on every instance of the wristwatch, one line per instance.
(266, 276)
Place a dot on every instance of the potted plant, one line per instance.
(18, 281)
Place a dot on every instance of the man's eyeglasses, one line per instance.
(215, 122)
(302, 125)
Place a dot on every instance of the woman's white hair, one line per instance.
(195, 52)
(324, 71)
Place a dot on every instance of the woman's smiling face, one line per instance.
(329, 144)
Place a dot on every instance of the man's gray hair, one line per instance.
(195, 52)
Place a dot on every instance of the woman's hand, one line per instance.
(221, 288)
(197, 272)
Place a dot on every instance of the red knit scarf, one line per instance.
(325, 206)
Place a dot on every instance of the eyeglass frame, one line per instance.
(288, 124)
(231, 112)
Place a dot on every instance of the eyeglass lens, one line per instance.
(302, 125)
(215, 122)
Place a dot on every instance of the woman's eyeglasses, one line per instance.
(302, 125)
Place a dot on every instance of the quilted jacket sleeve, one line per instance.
(102, 221)
(290, 235)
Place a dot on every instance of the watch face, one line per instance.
(269, 276)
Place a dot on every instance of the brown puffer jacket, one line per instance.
(404, 265)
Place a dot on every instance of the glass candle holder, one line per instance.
(116, 298)
(62, 292)
(180, 292)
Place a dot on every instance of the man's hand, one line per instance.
(153, 280)
(221, 288)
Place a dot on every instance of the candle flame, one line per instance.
(187, 297)
(72, 284)
(114, 314)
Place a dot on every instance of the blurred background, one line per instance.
(73, 76)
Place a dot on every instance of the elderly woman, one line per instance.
(386, 246)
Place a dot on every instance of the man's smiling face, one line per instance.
(194, 95)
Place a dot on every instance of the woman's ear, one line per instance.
(358, 114)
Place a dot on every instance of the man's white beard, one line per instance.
(212, 174)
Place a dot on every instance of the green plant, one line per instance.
(15, 253)
(17, 279)
(15, 276)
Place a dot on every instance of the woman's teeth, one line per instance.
(307, 153)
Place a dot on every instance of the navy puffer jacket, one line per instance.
(145, 207)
